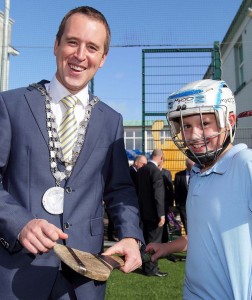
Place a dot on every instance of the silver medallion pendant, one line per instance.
(53, 200)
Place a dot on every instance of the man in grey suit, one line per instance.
(53, 187)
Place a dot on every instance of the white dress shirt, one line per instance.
(57, 92)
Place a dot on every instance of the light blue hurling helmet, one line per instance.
(197, 98)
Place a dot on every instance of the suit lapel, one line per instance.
(36, 104)
(94, 129)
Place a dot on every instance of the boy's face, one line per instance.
(202, 134)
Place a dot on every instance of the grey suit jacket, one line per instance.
(101, 174)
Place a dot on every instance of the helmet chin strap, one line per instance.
(205, 159)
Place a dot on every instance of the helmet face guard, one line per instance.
(178, 136)
(199, 98)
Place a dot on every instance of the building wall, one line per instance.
(242, 28)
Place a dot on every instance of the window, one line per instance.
(133, 138)
(239, 64)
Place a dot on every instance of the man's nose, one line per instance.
(81, 52)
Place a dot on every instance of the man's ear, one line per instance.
(104, 56)
(56, 44)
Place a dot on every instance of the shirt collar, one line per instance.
(152, 161)
(222, 165)
(57, 92)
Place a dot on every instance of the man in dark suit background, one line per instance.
(139, 162)
(46, 197)
(181, 182)
(169, 197)
(151, 197)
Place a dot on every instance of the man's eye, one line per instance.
(72, 42)
(92, 49)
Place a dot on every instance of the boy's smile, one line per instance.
(202, 135)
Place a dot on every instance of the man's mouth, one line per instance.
(76, 68)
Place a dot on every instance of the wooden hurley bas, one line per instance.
(94, 266)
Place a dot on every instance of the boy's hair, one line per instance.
(90, 13)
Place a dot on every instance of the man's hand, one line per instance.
(127, 247)
(161, 221)
(39, 236)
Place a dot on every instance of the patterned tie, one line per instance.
(67, 130)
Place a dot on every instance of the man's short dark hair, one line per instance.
(90, 12)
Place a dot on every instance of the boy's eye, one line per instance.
(205, 123)
(186, 126)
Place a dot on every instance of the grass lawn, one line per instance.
(136, 286)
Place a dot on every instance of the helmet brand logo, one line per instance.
(177, 101)
(184, 100)
(228, 100)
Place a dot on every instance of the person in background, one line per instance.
(61, 155)
(181, 182)
(111, 232)
(202, 118)
(139, 162)
(169, 197)
(152, 207)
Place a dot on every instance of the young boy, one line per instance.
(202, 120)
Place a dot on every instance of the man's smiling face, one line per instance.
(80, 52)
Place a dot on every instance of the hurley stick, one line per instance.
(94, 266)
